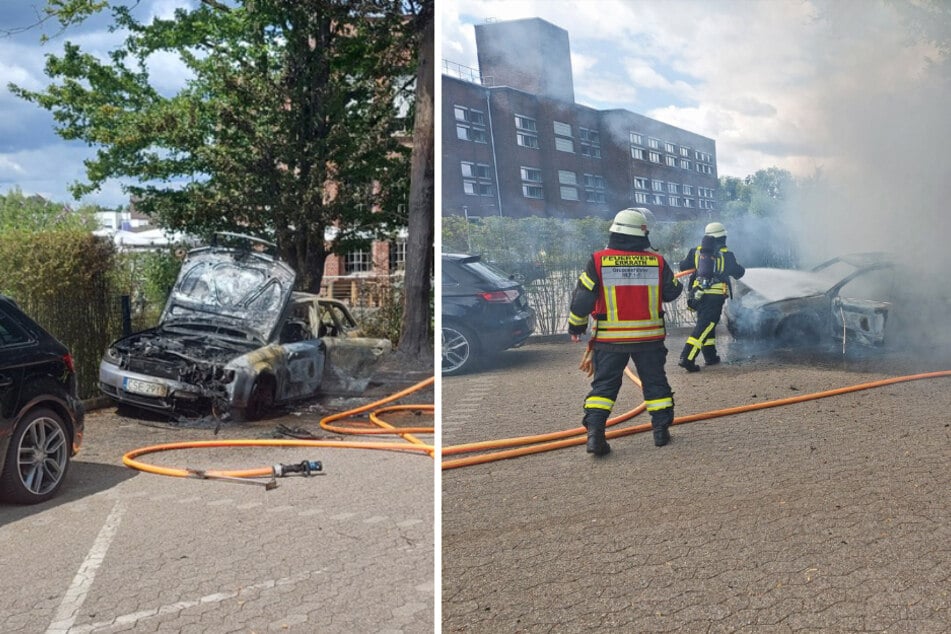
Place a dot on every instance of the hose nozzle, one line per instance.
(306, 467)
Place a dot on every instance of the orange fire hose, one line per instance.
(567, 438)
(414, 445)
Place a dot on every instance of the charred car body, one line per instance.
(832, 301)
(233, 340)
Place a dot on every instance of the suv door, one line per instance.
(14, 341)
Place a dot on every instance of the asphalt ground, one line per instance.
(120, 550)
(830, 515)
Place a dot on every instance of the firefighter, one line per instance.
(709, 287)
(623, 288)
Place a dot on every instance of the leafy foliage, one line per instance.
(286, 124)
(63, 279)
(34, 213)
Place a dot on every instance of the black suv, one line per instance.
(41, 417)
(484, 311)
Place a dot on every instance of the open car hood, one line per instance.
(224, 288)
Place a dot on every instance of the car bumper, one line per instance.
(509, 333)
(146, 391)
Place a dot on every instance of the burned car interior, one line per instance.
(233, 340)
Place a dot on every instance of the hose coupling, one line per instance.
(305, 467)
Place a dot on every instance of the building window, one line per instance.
(685, 152)
(688, 190)
(564, 145)
(653, 144)
(637, 153)
(525, 123)
(475, 170)
(637, 138)
(669, 148)
(688, 202)
(590, 142)
(527, 140)
(466, 133)
(673, 201)
(640, 198)
(594, 188)
(562, 129)
(569, 193)
(673, 188)
(684, 164)
(566, 177)
(532, 191)
(470, 124)
(657, 199)
(654, 157)
(671, 161)
(591, 151)
(531, 174)
(360, 261)
(475, 188)
(640, 182)
(657, 185)
(398, 255)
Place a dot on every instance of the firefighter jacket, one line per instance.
(623, 288)
(725, 267)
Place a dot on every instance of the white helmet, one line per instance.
(631, 221)
(715, 229)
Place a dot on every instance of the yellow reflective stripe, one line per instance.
(610, 301)
(710, 342)
(598, 402)
(636, 323)
(659, 403)
(576, 320)
(653, 300)
(630, 334)
(586, 281)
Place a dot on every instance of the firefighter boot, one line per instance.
(661, 429)
(597, 443)
(686, 362)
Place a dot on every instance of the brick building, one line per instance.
(516, 144)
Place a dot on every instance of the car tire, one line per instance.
(260, 401)
(798, 331)
(460, 349)
(37, 459)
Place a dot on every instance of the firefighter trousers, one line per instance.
(608, 374)
(703, 339)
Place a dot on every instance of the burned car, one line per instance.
(233, 340)
(839, 299)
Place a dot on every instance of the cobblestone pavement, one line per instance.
(831, 515)
(126, 551)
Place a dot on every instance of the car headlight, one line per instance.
(112, 356)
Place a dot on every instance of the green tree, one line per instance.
(286, 125)
(34, 213)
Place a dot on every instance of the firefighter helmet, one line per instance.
(715, 229)
(631, 221)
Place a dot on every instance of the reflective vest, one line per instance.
(716, 284)
(629, 308)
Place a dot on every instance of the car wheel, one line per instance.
(459, 349)
(37, 458)
(798, 331)
(261, 399)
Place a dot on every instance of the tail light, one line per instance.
(68, 360)
(502, 297)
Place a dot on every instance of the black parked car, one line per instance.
(41, 417)
(484, 311)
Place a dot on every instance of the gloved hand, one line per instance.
(587, 365)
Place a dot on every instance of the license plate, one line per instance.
(144, 387)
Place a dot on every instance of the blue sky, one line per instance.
(32, 156)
